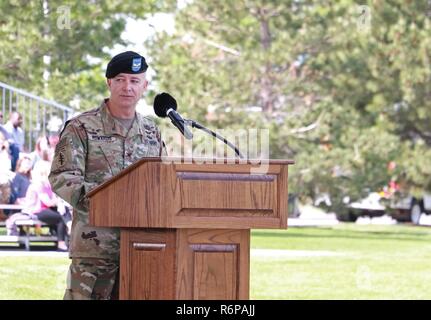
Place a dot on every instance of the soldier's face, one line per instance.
(126, 89)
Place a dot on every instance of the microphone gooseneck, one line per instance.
(216, 135)
(165, 106)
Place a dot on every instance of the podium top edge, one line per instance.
(194, 160)
(203, 160)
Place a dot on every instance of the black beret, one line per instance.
(126, 62)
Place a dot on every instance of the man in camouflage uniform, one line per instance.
(93, 147)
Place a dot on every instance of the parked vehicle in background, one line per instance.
(399, 206)
(368, 206)
(411, 208)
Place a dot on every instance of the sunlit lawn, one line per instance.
(33, 277)
(362, 262)
(342, 262)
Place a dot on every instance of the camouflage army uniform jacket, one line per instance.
(93, 147)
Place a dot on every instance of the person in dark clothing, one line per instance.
(20, 183)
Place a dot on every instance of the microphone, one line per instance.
(165, 106)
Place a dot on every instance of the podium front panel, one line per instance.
(169, 195)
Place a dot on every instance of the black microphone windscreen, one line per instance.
(162, 103)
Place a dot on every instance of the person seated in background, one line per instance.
(3, 131)
(53, 141)
(6, 175)
(42, 150)
(20, 183)
(13, 150)
(5, 163)
(16, 136)
(41, 203)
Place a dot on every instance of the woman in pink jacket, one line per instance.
(41, 203)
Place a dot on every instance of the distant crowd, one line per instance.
(24, 181)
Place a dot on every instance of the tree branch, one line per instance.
(310, 127)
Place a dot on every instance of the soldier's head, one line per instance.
(126, 80)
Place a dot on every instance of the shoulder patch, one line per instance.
(61, 153)
(78, 117)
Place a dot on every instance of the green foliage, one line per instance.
(341, 100)
(74, 35)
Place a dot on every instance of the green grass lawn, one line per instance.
(28, 278)
(362, 262)
(346, 261)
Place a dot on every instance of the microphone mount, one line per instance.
(197, 125)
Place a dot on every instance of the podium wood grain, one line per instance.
(185, 226)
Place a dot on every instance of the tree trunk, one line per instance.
(266, 94)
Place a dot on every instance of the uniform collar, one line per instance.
(111, 127)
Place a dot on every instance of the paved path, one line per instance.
(312, 222)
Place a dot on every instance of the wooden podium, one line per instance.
(185, 225)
